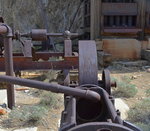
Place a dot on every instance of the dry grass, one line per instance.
(148, 92)
(25, 116)
(3, 85)
(51, 100)
(140, 114)
(125, 88)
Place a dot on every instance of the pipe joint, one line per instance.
(7, 31)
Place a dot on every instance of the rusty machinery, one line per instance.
(30, 59)
(88, 105)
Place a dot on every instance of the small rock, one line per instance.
(3, 96)
(134, 77)
(3, 105)
(148, 70)
(27, 129)
(27, 91)
(3, 130)
(122, 106)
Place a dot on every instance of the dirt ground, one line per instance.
(138, 76)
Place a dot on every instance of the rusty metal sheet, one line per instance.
(122, 48)
(88, 68)
(119, 9)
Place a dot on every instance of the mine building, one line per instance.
(120, 27)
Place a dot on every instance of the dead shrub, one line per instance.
(125, 88)
(51, 100)
(140, 114)
(26, 115)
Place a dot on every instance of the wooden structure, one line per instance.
(128, 18)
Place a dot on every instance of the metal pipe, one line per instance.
(87, 94)
(55, 34)
(115, 118)
(9, 65)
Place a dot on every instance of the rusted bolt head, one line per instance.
(114, 84)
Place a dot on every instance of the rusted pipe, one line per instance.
(8, 63)
(115, 118)
(87, 94)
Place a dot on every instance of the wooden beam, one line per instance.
(95, 19)
(143, 16)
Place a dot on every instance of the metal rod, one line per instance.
(87, 94)
(61, 34)
(115, 118)
(55, 34)
(9, 66)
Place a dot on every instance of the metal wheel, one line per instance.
(103, 126)
(88, 67)
(106, 81)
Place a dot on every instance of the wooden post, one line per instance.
(95, 19)
(143, 16)
(67, 53)
(68, 48)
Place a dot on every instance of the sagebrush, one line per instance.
(140, 114)
(51, 100)
(124, 87)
